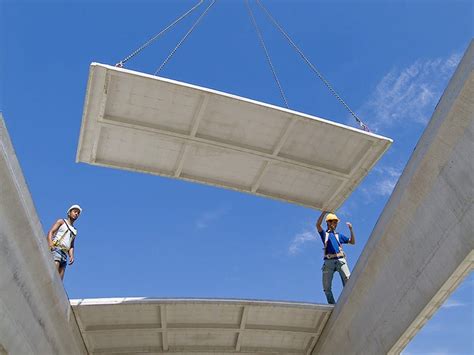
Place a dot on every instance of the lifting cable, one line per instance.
(313, 68)
(151, 40)
(262, 43)
(184, 37)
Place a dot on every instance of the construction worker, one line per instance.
(61, 239)
(334, 257)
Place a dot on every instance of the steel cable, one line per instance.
(313, 68)
(184, 38)
(262, 43)
(151, 40)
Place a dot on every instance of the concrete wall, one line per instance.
(35, 314)
(422, 245)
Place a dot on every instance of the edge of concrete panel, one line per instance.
(440, 163)
(203, 301)
(35, 314)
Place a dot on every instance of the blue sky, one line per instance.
(143, 235)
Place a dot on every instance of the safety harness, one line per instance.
(338, 255)
(58, 241)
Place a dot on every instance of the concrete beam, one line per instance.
(243, 322)
(422, 245)
(35, 314)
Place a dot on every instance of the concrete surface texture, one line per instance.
(154, 125)
(422, 245)
(35, 314)
(197, 326)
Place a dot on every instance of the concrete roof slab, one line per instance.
(149, 124)
(206, 326)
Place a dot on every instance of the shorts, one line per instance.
(60, 256)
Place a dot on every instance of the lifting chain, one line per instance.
(262, 43)
(184, 37)
(151, 40)
(313, 68)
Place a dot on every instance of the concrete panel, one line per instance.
(154, 125)
(199, 326)
(422, 245)
(35, 314)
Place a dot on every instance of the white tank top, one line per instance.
(65, 242)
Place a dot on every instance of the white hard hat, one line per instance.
(74, 207)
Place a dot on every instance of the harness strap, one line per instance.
(335, 256)
(74, 234)
(57, 242)
(326, 239)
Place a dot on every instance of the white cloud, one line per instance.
(424, 351)
(453, 303)
(208, 217)
(385, 187)
(384, 180)
(300, 239)
(388, 177)
(346, 210)
(410, 94)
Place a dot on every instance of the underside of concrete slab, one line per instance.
(422, 245)
(144, 123)
(199, 326)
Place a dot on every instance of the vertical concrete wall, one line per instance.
(35, 314)
(422, 245)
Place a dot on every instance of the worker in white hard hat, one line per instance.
(334, 257)
(61, 238)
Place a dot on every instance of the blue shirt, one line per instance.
(333, 246)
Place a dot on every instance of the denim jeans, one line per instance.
(60, 256)
(329, 267)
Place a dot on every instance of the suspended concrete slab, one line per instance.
(199, 326)
(145, 123)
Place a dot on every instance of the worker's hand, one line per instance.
(349, 225)
(71, 260)
(51, 247)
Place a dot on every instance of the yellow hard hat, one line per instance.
(331, 217)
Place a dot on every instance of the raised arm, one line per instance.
(52, 231)
(320, 221)
(352, 240)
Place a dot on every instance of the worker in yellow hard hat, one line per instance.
(334, 257)
(61, 239)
